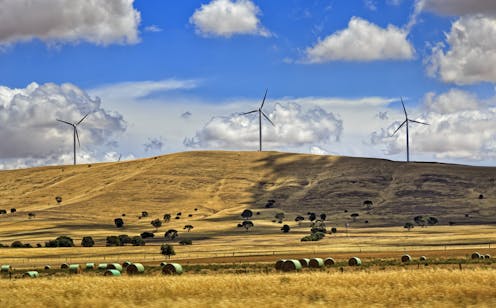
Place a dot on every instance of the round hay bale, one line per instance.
(172, 269)
(476, 255)
(304, 262)
(47, 267)
(488, 256)
(482, 256)
(163, 263)
(406, 258)
(102, 266)
(74, 268)
(115, 266)
(112, 272)
(316, 263)
(354, 261)
(423, 258)
(125, 264)
(90, 266)
(64, 266)
(6, 268)
(291, 266)
(329, 262)
(135, 268)
(279, 264)
(31, 274)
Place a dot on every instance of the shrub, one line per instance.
(2, 211)
(170, 234)
(124, 239)
(157, 223)
(61, 241)
(317, 236)
(334, 230)
(144, 214)
(119, 223)
(113, 241)
(13, 210)
(167, 217)
(147, 235)
(186, 242)
(31, 215)
(137, 241)
(58, 199)
(17, 244)
(167, 250)
(285, 228)
(87, 241)
(188, 227)
(247, 214)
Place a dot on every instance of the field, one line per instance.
(230, 266)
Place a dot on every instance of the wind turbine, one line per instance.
(407, 136)
(76, 135)
(260, 114)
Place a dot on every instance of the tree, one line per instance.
(334, 230)
(419, 220)
(299, 218)
(167, 250)
(247, 214)
(246, 224)
(167, 218)
(87, 241)
(119, 223)
(285, 228)
(170, 235)
(137, 241)
(270, 203)
(280, 216)
(144, 214)
(58, 199)
(354, 216)
(188, 227)
(157, 223)
(31, 215)
(312, 216)
(2, 211)
(323, 216)
(179, 214)
(61, 241)
(431, 221)
(17, 244)
(13, 210)
(318, 226)
(368, 204)
(408, 226)
(113, 241)
(124, 239)
(147, 235)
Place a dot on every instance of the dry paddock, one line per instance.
(424, 287)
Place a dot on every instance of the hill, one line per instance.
(214, 186)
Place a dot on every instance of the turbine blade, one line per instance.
(418, 122)
(263, 102)
(267, 118)
(65, 122)
(399, 127)
(248, 112)
(77, 136)
(404, 109)
(82, 119)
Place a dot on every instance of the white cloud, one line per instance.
(471, 56)
(154, 144)
(30, 134)
(318, 151)
(461, 127)
(97, 21)
(459, 7)
(370, 4)
(362, 41)
(227, 18)
(153, 28)
(293, 127)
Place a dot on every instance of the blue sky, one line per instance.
(168, 76)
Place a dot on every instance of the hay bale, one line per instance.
(112, 272)
(487, 256)
(135, 268)
(31, 274)
(279, 264)
(291, 266)
(316, 263)
(102, 266)
(476, 255)
(406, 258)
(6, 268)
(304, 262)
(482, 256)
(74, 268)
(354, 261)
(115, 266)
(423, 258)
(64, 266)
(47, 267)
(163, 263)
(90, 266)
(125, 264)
(172, 269)
(329, 262)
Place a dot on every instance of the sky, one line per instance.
(166, 76)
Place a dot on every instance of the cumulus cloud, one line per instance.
(293, 127)
(383, 115)
(470, 54)
(461, 127)
(458, 7)
(186, 115)
(153, 28)
(370, 4)
(226, 18)
(318, 150)
(362, 41)
(98, 22)
(154, 144)
(28, 129)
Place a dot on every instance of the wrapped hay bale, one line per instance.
(304, 262)
(172, 269)
(102, 266)
(47, 267)
(90, 266)
(329, 262)
(487, 256)
(6, 268)
(291, 266)
(31, 274)
(112, 272)
(476, 255)
(115, 266)
(163, 263)
(354, 261)
(64, 266)
(74, 269)
(279, 264)
(135, 268)
(316, 263)
(125, 264)
(406, 258)
(423, 258)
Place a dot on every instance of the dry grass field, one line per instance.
(390, 288)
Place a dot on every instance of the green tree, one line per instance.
(167, 250)
(137, 241)
(408, 226)
(157, 223)
(188, 227)
(87, 241)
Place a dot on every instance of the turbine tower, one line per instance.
(407, 133)
(260, 114)
(76, 135)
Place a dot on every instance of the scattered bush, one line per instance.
(113, 241)
(61, 241)
(270, 204)
(167, 250)
(144, 214)
(408, 226)
(2, 211)
(17, 244)
(170, 235)
(137, 241)
(317, 236)
(157, 223)
(354, 216)
(334, 230)
(58, 199)
(186, 242)
(247, 224)
(167, 218)
(87, 241)
(188, 227)
(247, 214)
(124, 239)
(119, 223)
(13, 210)
(31, 215)
(147, 235)
(285, 228)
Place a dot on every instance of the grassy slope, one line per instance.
(221, 184)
